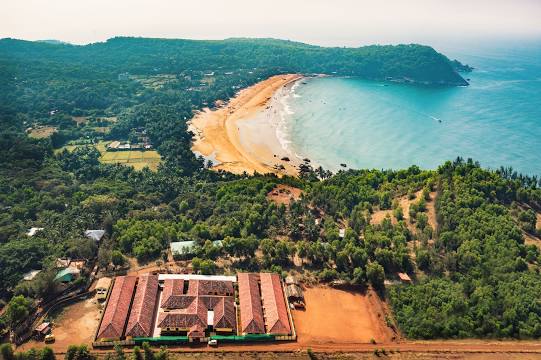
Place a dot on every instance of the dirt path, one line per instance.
(452, 349)
(431, 210)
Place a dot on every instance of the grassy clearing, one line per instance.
(80, 120)
(137, 159)
(42, 132)
(134, 158)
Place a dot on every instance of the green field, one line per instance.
(135, 158)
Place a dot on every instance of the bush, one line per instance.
(311, 354)
(328, 275)
(375, 274)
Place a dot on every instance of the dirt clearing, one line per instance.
(380, 215)
(338, 316)
(284, 194)
(75, 324)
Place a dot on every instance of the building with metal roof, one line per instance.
(67, 275)
(95, 235)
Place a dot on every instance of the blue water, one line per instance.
(366, 124)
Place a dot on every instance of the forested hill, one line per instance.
(414, 63)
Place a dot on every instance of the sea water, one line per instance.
(368, 124)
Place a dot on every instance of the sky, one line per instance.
(328, 23)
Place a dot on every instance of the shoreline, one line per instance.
(242, 136)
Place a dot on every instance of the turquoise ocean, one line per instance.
(367, 124)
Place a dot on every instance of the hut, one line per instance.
(42, 330)
(295, 295)
(67, 275)
(95, 235)
(404, 278)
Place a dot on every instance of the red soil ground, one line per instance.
(284, 194)
(76, 324)
(338, 316)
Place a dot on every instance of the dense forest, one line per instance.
(474, 273)
(417, 63)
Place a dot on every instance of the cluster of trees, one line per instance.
(481, 280)
(81, 352)
(7, 353)
(144, 56)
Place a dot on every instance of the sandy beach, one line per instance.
(242, 135)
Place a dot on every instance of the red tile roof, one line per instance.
(210, 287)
(216, 287)
(190, 310)
(225, 316)
(144, 304)
(251, 312)
(172, 295)
(274, 305)
(118, 306)
(404, 277)
(195, 313)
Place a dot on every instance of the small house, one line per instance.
(95, 235)
(42, 330)
(404, 278)
(113, 145)
(67, 275)
(295, 295)
(62, 263)
(31, 275)
(182, 248)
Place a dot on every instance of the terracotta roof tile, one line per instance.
(142, 310)
(251, 312)
(118, 306)
(225, 316)
(274, 305)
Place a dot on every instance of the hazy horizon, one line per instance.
(342, 23)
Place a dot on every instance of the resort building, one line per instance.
(195, 307)
(251, 311)
(189, 307)
(118, 306)
(274, 305)
(142, 310)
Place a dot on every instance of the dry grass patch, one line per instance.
(80, 120)
(42, 132)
